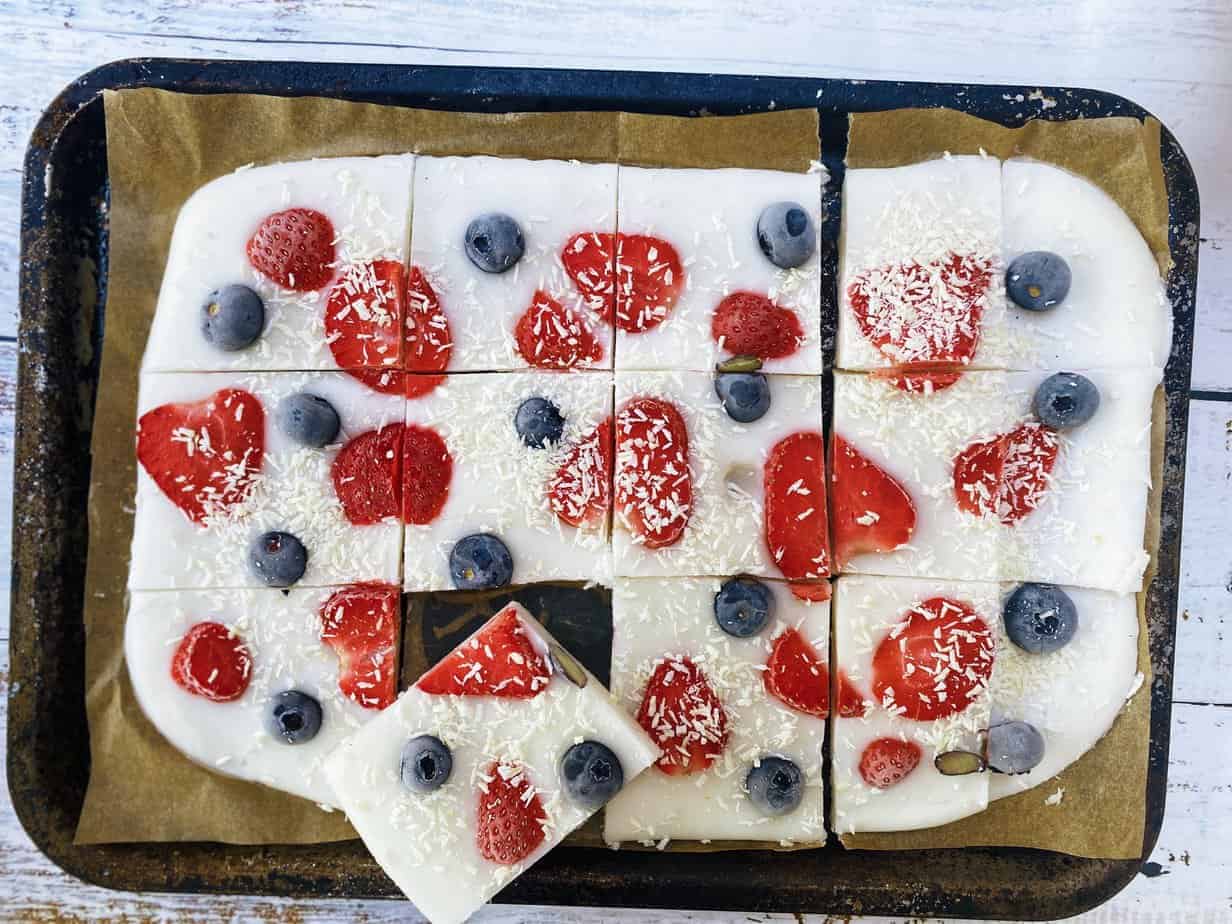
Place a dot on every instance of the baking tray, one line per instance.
(63, 285)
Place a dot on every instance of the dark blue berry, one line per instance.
(745, 395)
(293, 717)
(786, 234)
(538, 422)
(232, 317)
(308, 419)
(775, 785)
(480, 560)
(494, 242)
(1038, 280)
(426, 763)
(278, 559)
(742, 606)
(1014, 747)
(591, 774)
(1066, 399)
(1040, 618)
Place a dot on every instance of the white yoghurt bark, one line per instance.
(710, 218)
(366, 199)
(657, 620)
(429, 843)
(501, 485)
(293, 491)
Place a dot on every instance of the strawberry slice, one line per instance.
(851, 702)
(796, 676)
(795, 507)
(887, 761)
(654, 483)
(872, 512)
(934, 662)
(427, 469)
(363, 316)
(920, 378)
(510, 822)
(498, 660)
(809, 592)
(1006, 476)
(294, 248)
(588, 260)
(204, 455)
(749, 324)
(551, 336)
(360, 623)
(416, 386)
(681, 712)
(396, 382)
(579, 492)
(649, 278)
(429, 341)
(365, 475)
(213, 662)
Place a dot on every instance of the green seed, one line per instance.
(959, 763)
(740, 364)
(566, 664)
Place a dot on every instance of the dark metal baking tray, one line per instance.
(63, 283)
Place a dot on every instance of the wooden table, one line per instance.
(1172, 56)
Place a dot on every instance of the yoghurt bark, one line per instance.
(542, 488)
(698, 493)
(694, 286)
(536, 222)
(217, 470)
(508, 704)
(719, 706)
(323, 243)
(210, 667)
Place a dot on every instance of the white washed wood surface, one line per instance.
(1172, 56)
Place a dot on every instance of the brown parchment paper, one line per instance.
(1102, 810)
(161, 147)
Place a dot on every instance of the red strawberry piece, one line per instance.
(748, 324)
(416, 386)
(204, 455)
(552, 336)
(796, 676)
(795, 507)
(921, 378)
(427, 469)
(498, 660)
(580, 490)
(654, 484)
(681, 712)
(810, 592)
(294, 248)
(934, 662)
(588, 260)
(429, 342)
(887, 761)
(871, 511)
(212, 661)
(851, 703)
(396, 382)
(511, 819)
(360, 623)
(366, 478)
(363, 317)
(1006, 476)
(649, 279)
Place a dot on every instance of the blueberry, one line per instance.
(745, 395)
(538, 422)
(308, 420)
(426, 763)
(1066, 399)
(232, 317)
(1014, 747)
(1038, 280)
(775, 785)
(786, 234)
(278, 559)
(293, 717)
(591, 774)
(1040, 618)
(494, 242)
(742, 606)
(480, 560)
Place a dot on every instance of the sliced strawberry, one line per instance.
(363, 317)
(654, 483)
(416, 386)
(851, 703)
(396, 382)
(365, 475)
(360, 623)
(498, 660)
(294, 248)
(921, 378)
(204, 455)
(796, 676)
(684, 716)
(649, 278)
(749, 324)
(872, 512)
(552, 336)
(794, 511)
(1006, 476)
(580, 490)
(809, 592)
(935, 662)
(510, 822)
(887, 761)
(588, 260)
(213, 662)
(429, 341)
(427, 469)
